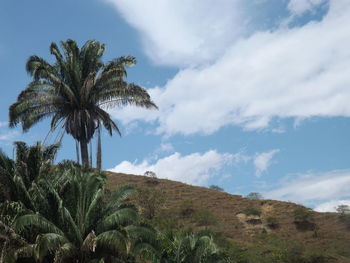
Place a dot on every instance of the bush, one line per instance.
(272, 222)
(254, 195)
(167, 221)
(187, 208)
(252, 211)
(151, 201)
(303, 214)
(205, 218)
(303, 219)
(216, 188)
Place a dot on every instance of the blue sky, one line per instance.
(252, 95)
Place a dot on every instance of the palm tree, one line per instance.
(75, 91)
(78, 221)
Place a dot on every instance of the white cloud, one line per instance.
(3, 124)
(299, 72)
(183, 32)
(314, 188)
(7, 136)
(165, 147)
(194, 168)
(331, 206)
(299, 7)
(262, 161)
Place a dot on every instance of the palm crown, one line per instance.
(75, 90)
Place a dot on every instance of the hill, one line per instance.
(268, 224)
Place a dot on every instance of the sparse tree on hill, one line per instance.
(343, 209)
(254, 195)
(216, 188)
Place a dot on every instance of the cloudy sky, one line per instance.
(253, 95)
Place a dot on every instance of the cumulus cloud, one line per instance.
(262, 161)
(183, 32)
(195, 168)
(298, 72)
(299, 7)
(314, 188)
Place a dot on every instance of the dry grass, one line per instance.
(330, 234)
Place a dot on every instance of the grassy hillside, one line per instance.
(267, 224)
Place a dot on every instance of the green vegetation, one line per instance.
(254, 195)
(344, 215)
(186, 208)
(205, 218)
(190, 248)
(65, 215)
(216, 188)
(343, 209)
(272, 222)
(151, 201)
(268, 248)
(303, 214)
(252, 211)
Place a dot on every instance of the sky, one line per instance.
(253, 96)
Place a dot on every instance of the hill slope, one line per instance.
(324, 231)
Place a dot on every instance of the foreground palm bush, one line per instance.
(20, 176)
(190, 248)
(76, 220)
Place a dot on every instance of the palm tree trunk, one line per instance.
(90, 159)
(84, 153)
(77, 150)
(99, 150)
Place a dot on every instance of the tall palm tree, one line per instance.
(75, 91)
(78, 221)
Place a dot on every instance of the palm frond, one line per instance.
(48, 243)
(26, 222)
(66, 251)
(121, 217)
(112, 240)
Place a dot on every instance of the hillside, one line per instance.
(325, 231)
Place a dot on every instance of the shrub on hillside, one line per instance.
(205, 218)
(187, 208)
(252, 211)
(303, 219)
(216, 188)
(255, 195)
(303, 214)
(151, 201)
(268, 248)
(344, 214)
(272, 222)
(343, 209)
